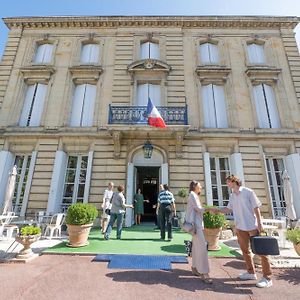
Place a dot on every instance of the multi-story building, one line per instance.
(73, 92)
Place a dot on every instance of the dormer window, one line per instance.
(43, 54)
(209, 53)
(149, 50)
(256, 54)
(89, 54)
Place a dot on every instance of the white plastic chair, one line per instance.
(55, 225)
(7, 226)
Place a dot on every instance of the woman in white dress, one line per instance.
(105, 205)
(194, 214)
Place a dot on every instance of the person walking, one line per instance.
(165, 208)
(139, 206)
(117, 212)
(106, 205)
(194, 214)
(161, 188)
(244, 204)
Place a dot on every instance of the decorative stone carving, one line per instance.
(149, 65)
(262, 74)
(37, 74)
(178, 144)
(212, 74)
(116, 136)
(86, 74)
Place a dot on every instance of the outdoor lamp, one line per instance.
(148, 148)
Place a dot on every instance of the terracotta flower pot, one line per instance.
(78, 235)
(212, 237)
(26, 241)
(297, 248)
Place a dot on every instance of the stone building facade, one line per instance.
(73, 92)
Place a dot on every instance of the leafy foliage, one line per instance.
(183, 192)
(30, 230)
(81, 214)
(293, 235)
(213, 220)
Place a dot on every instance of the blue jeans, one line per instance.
(113, 218)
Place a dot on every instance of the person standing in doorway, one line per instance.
(245, 207)
(165, 208)
(106, 205)
(139, 206)
(117, 212)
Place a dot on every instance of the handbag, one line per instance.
(264, 245)
(107, 211)
(189, 227)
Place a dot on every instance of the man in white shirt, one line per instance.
(245, 207)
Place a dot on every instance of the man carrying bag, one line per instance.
(245, 207)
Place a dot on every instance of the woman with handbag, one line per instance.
(194, 215)
(106, 205)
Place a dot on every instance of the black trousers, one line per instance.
(165, 216)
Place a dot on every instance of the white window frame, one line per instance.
(278, 203)
(90, 53)
(149, 50)
(43, 53)
(33, 106)
(209, 53)
(148, 90)
(266, 106)
(214, 106)
(256, 53)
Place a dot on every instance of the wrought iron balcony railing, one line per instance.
(172, 115)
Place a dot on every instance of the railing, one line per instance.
(172, 115)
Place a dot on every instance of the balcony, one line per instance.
(172, 115)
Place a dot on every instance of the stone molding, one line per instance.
(153, 21)
(86, 74)
(211, 74)
(262, 74)
(37, 74)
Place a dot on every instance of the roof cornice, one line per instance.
(153, 21)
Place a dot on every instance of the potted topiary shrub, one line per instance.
(27, 236)
(294, 236)
(213, 223)
(79, 220)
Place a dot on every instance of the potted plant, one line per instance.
(294, 236)
(27, 236)
(79, 220)
(213, 223)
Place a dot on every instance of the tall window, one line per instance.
(265, 105)
(275, 167)
(23, 163)
(256, 54)
(33, 105)
(219, 170)
(149, 50)
(214, 107)
(148, 90)
(43, 54)
(83, 105)
(75, 180)
(209, 53)
(89, 53)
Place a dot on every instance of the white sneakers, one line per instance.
(264, 283)
(247, 276)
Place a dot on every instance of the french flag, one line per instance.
(154, 117)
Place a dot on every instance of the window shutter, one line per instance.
(94, 53)
(261, 110)
(213, 53)
(76, 113)
(164, 174)
(39, 55)
(88, 177)
(260, 54)
(208, 106)
(220, 106)
(154, 94)
(251, 53)
(208, 187)
(27, 105)
(28, 183)
(154, 51)
(142, 94)
(292, 163)
(272, 108)
(85, 53)
(204, 54)
(57, 182)
(144, 50)
(38, 105)
(6, 165)
(236, 166)
(88, 105)
(48, 49)
(129, 193)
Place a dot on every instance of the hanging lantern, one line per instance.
(148, 148)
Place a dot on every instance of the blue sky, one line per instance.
(14, 8)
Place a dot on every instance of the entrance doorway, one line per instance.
(147, 179)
